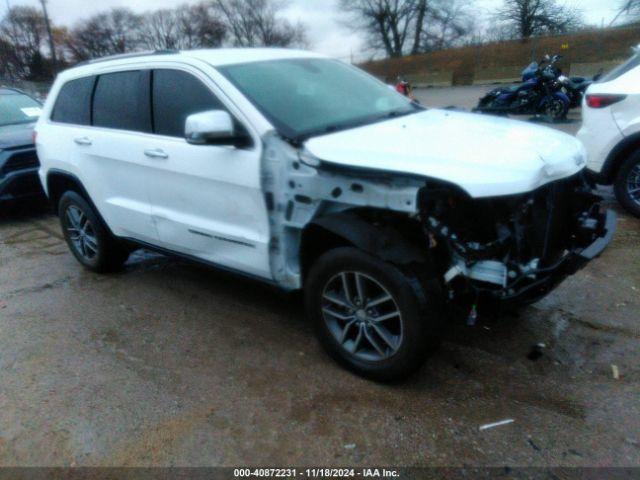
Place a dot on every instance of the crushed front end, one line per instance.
(514, 248)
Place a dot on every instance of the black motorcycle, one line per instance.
(539, 93)
(575, 87)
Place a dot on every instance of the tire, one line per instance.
(411, 333)
(556, 109)
(87, 237)
(627, 184)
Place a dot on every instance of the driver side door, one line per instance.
(206, 200)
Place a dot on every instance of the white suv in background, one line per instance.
(307, 173)
(611, 131)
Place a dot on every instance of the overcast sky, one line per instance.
(326, 33)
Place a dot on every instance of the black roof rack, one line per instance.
(128, 55)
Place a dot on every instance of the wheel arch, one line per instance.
(383, 238)
(616, 158)
(59, 182)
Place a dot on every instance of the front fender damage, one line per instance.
(297, 194)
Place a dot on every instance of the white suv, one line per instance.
(611, 131)
(310, 174)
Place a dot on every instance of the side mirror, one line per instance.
(213, 127)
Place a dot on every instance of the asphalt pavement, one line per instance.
(171, 364)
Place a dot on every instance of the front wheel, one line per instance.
(369, 316)
(627, 184)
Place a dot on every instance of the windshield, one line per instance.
(532, 68)
(18, 108)
(306, 97)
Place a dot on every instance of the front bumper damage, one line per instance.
(517, 249)
(547, 279)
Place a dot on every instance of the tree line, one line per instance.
(391, 27)
(406, 27)
(25, 52)
(401, 27)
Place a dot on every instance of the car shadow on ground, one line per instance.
(26, 209)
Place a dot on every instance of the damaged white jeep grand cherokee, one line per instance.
(309, 174)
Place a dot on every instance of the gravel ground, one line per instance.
(171, 364)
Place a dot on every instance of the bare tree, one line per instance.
(448, 23)
(253, 23)
(394, 26)
(199, 27)
(185, 27)
(108, 33)
(9, 67)
(24, 30)
(627, 7)
(529, 18)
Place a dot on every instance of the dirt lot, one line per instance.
(168, 363)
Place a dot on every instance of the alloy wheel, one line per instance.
(362, 316)
(633, 184)
(81, 233)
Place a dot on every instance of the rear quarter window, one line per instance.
(73, 104)
(620, 70)
(122, 101)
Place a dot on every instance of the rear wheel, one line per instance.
(369, 316)
(87, 237)
(627, 184)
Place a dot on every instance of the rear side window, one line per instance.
(620, 70)
(73, 104)
(122, 101)
(176, 95)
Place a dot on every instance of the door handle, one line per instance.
(156, 153)
(82, 141)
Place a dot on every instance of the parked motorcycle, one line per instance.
(575, 87)
(539, 93)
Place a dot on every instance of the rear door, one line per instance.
(111, 152)
(70, 118)
(206, 200)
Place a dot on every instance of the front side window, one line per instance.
(122, 101)
(306, 97)
(73, 104)
(18, 108)
(176, 95)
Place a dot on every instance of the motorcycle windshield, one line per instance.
(530, 71)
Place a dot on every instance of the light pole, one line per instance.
(54, 61)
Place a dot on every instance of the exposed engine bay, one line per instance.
(512, 246)
(509, 247)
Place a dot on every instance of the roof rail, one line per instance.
(128, 55)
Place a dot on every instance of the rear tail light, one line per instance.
(34, 135)
(603, 101)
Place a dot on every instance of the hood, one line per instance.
(16, 135)
(486, 156)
